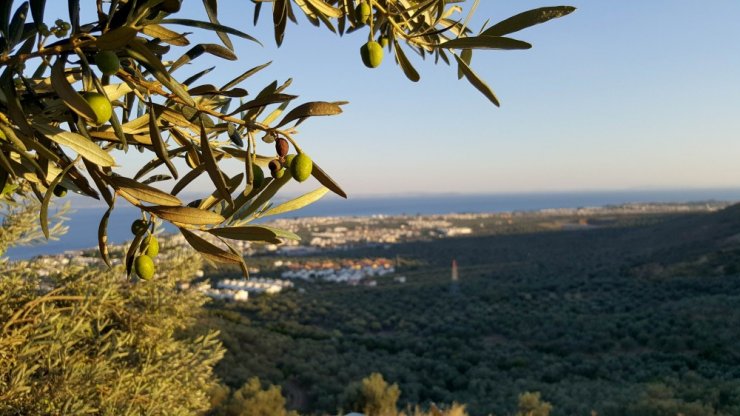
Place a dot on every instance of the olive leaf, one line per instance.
(214, 172)
(485, 42)
(15, 30)
(5, 8)
(268, 191)
(165, 35)
(478, 83)
(316, 108)
(210, 26)
(156, 178)
(212, 12)
(37, 11)
(80, 144)
(263, 101)
(253, 233)
(216, 197)
(157, 143)
(103, 235)
(248, 73)
(297, 203)
(208, 250)
(327, 181)
(405, 64)
(467, 56)
(185, 215)
(74, 14)
(280, 19)
(325, 9)
(116, 38)
(200, 49)
(527, 19)
(139, 191)
(44, 213)
(132, 249)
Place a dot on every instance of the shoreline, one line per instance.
(331, 239)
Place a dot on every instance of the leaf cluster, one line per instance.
(63, 122)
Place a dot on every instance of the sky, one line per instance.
(619, 95)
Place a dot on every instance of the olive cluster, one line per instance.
(148, 249)
(298, 166)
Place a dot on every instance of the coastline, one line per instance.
(85, 220)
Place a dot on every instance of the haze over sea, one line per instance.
(84, 221)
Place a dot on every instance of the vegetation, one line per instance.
(76, 95)
(592, 319)
(373, 396)
(251, 400)
(83, 341)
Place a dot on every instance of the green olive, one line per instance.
(363, 13)
(372, 54)
(107, 62)
(144, 267)
(301, 167)
(100, 106)
(152, 246)
(258, 176)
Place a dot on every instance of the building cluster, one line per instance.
(349, 271)
(51, 264)
(238, 290)
(346, 232)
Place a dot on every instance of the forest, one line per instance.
(638, 319)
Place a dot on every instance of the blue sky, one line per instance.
(618, 95)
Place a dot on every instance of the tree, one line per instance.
(78, 94)
(75, 340)
(373, 396)
(252, 400)
(530, 404)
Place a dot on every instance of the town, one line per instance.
(324, 235)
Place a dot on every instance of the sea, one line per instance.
(83, 221)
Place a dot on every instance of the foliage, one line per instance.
(561, 313)
(82, 340)
(373, 396)
(530, 404)
(63, 123)
(16, 215)
(691, 395)
(252, 400)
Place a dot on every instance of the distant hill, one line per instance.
(684, 245)
(697, 244)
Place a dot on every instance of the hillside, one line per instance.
(593, 319)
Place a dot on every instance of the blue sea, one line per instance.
(83, 222)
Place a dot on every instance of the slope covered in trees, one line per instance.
(576, 315)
